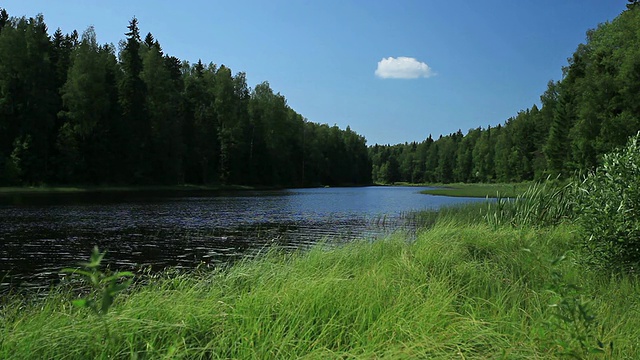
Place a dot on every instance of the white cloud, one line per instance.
(402, 68)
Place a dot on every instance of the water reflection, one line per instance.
(39, 234)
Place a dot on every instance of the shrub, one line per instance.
(608, 205)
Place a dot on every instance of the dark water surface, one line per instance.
(40, 234)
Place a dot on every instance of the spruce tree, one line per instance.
(135, 131)
(557, 148)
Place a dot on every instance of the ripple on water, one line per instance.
(159, 231)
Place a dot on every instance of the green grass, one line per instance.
(458, 291)
(481, 281)
(478, 190)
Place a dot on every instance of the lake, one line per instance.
(41, 234)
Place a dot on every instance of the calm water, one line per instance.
(39, 235)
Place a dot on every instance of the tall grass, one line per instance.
(542, 204)
(456, 292)
(484, 281)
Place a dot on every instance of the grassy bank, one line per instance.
(459, 190)
(494, 280)
(478, 190)
(459, 291)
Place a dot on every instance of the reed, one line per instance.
(542, 204)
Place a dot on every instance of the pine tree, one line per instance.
(135, 131)
(4, 18)
(557, 148)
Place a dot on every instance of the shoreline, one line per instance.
(381, 299)
(95, 189)
(470, 190)
(471, 283)
(479, 190)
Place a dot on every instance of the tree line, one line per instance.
(591, 111)
(73, 111)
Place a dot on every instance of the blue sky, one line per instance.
(473, 63)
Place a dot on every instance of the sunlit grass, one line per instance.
(481, 281)
(478, 190)
(469, 291)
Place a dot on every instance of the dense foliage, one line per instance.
(469, 287)
(609, 210)
(590, 112)
(74, 111)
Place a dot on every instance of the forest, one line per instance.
(73, 111)
(591, 111)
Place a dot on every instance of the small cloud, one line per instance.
(402, 68)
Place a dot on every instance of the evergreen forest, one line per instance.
(591, 111)
(73, 111)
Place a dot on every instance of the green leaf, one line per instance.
(107, 301)
(95, 260)
(80, 303)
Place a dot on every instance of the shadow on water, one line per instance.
(40, 234)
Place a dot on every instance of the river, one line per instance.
(40, 234)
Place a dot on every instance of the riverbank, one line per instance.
(458, 291)
(471, 190)
(477, 190)
(503, 279)
(482, 190)
(52, 190)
